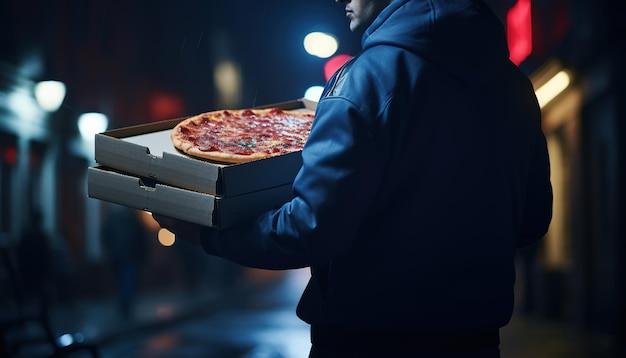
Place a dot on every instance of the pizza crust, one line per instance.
(225, 157)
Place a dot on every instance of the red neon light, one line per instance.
(332, 65)
(163, 106)
(10, 155)
(519, 31)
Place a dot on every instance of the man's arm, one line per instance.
(537, 212)
(320, 222)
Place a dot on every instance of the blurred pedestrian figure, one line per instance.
(123, 237)
(34, 262)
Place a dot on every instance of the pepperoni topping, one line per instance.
(248, 132)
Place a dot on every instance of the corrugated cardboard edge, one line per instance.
(108, 185)
(199, 208)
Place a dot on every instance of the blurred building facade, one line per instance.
(577, 274)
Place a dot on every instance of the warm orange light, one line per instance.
(148, 221)
(519, 31)
(166, 237)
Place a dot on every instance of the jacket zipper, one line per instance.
(336, 77)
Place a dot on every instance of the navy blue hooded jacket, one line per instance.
(425, 168)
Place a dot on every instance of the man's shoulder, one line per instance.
(379, 70)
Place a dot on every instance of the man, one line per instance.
(425, 168)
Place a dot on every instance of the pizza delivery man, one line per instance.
(425, 168)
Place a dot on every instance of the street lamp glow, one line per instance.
(552, 88)
(320, 44)
(314, 93)
(166, 237)
(50, 95)
(89, 124)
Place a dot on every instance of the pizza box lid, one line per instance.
(107, 184)
(147, 151)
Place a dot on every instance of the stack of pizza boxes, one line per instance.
(139, 167)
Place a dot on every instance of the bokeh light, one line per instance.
(166, 237)
(50, 95)
(320, 44)
(89, 124)
(314, 93)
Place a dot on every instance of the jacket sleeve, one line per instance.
(537, 212)
(332, 193)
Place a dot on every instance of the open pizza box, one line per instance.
(200, 208)
(147, 151)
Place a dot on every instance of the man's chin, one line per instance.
(355, 27)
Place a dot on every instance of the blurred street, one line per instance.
(71, 69)
(257, 320)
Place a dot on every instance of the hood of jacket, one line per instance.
(463, 37)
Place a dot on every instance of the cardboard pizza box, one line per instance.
(147, 151)
(200, 208)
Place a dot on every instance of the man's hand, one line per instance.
(183, 230)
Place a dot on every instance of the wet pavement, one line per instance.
(257, 320)
(255, 323)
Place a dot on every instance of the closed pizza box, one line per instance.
(200, 208)
(147, 151)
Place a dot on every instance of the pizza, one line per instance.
(236, 136)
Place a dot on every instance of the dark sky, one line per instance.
(114, 54)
